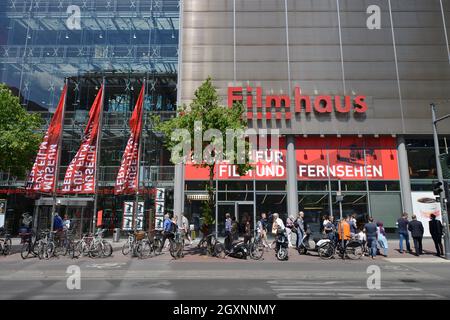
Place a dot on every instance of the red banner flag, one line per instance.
(80, 175)
(127, 178)
(42, 175)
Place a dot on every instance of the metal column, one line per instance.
(405, 183)
(291, 166)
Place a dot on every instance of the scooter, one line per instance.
(315, 245)
(281, 247)
(238, 250)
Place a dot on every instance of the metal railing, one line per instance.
(106, 175)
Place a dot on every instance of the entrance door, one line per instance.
(244, 210)
(224, 208)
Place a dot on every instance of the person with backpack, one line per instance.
(436, 233)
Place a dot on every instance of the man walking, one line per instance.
(416, 229)
(371, 233)
(402, 225)
(299, 225)
(186, 229)
(262, 229)
(344, 230)
(436, 233)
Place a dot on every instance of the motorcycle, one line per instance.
(319, 245)
(281, 247)
(238, 250)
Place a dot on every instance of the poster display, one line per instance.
(2, 212)
(425, 204)
(128, 208)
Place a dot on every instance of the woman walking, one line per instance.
(382, 240)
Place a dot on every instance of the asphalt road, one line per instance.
(201, 277)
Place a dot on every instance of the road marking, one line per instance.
(417, 260)
(107, 265)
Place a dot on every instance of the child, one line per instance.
(361, 236)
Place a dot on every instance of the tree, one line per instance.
(206, 108)
(19, 136)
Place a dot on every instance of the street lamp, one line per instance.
(443, 199)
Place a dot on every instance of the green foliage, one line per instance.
(206, 108)
(19, 139)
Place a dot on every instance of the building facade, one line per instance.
(347, 84)
(44, 42)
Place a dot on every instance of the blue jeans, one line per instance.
(404, 236)
(299, 237)
(372, 244)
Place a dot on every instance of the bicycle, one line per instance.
(134, 243)
(45, 246)
(155, 240)
(64, 242)
(353, 250)
(93, 246)
(176, 245)
(212, 246)
(256, 247)
(5, 243)
(29, 244)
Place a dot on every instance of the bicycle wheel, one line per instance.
(145, 249)
(7, 247)
(256, 251)
(326, 252)
(173, 249)
(107, 249)
(354, 251)
(39, 248)
(95, 249)
(126, 248)
(157, 245)
(282, 254)
(25, 251)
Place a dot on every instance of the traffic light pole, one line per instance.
(440, 176)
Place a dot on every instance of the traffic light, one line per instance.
(438, 188)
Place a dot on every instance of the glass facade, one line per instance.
(123, 41)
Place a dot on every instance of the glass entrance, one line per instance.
(244, 211)
(222, 209)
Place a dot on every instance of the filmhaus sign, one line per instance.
(321, 104)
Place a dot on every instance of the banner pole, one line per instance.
(97, 156)
(58, 159)
(138, 167)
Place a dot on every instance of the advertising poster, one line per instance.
(128, 215)
(424, 204)
(2, 212)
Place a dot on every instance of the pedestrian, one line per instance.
(299, 225)
(344, 231)
(234, 229)
(330, 228)
(186, 228)
(66, 223)
(289, 229)
(57, 222)
(402, 225)
(353, 224)
(262, 230)
(325, 221)
(362, 237)
(416, 229)
(436, 232)
(247, 231)
(382, 240)
(371, 233)
(277, 224)
(228, 224)
(167, 230)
